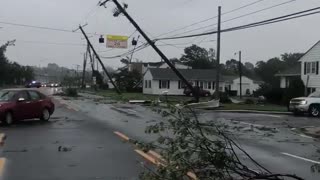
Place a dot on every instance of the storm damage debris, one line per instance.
(64, 149)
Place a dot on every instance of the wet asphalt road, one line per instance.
(86, 125)
(90, 150)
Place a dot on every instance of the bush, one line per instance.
(249, 101)
(72, 92)
(224, 98)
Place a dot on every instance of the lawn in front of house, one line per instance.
(256, 107)
(126, 96)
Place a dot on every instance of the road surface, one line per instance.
(86, 126)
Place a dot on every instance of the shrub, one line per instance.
(72, 92)
(224, 98)
(249, 101)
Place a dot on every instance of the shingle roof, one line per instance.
(189, 74)
(292, 71)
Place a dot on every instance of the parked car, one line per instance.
(33, 84)
(53, 84)
(310, 104)
(202, 92)
(20, 104)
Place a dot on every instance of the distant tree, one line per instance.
(197, 57)
(267, 70)
(127, 81)
(249, 66)
(12, 72)
(291, 59)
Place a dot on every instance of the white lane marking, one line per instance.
(132, 110)
(305, 136)
(301, 158)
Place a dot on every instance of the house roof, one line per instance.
(292, 71)
(190, 74)
(309, 50)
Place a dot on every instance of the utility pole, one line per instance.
(124, 12)
(217, 86)
(85, 55)
(240, 74)
(97, 56)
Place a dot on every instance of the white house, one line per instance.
(248, 85)
(287, 75)
(157, 80)
(310, 68)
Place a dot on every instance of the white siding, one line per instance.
(312, 56)
(282, 82)
(172, 91)
(246, 84)
(177, 65)
(148, 76)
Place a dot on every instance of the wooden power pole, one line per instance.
(217, 86)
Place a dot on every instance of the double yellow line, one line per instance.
(152, 156)
(2, 160)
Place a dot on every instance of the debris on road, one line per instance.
(64, 149)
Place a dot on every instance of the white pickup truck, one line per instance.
(310, 104)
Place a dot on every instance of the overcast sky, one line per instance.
(155, 17)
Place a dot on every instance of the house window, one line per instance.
(209, 85)
(311, 67)
(201, 85)
(149, 84)
(213, 84)
(145, 84)
(181, 85)
(205, 85)
(164, 84)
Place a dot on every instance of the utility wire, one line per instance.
(238, 17)
(49, 43)
(272, 20)
(205, 20)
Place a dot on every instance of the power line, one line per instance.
(37, 27)
(139, 48)
(205, 20)
(49, 43)
(238, 17)
(272, 20)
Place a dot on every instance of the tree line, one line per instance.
(12, 73)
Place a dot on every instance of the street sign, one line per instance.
(115, 41)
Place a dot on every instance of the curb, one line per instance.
(254, 112)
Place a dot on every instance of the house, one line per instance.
(287, 75)
(142, 67)
(310, 68)
(307, 70)
(157, 80)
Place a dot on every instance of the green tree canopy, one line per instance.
(198, 57)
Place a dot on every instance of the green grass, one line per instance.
(266, 107)
(126, 96)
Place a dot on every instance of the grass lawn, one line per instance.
(126, 96)
(266, 107)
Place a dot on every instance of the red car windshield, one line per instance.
(6, 96)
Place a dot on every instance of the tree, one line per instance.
(199, 149)
(127, 81)
(197, 57)
(12, 72)
(267, 70)
(249, 66)
(291, 59)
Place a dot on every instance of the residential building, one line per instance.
(310, 68)
(287, 75)
(157, 80)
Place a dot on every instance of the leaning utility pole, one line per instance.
(97, 56)
(217, 86)
(85, 56)
(123, 11)
(240, 74)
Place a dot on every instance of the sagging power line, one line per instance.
(259, 23)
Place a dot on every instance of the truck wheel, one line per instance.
(314, 110)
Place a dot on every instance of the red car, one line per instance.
(20, 104)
